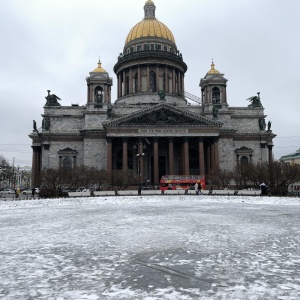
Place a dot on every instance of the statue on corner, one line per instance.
(255, 101)
(46, 123)
(262, 123)
(52, 99)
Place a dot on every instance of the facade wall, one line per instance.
(94, 120)
(227, 154)
(66, 124)
(50, 157)
(95, 153)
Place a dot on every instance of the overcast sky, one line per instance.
(54, 44)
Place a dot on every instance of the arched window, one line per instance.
(136, 90)
(244, 160)
(152, 82)
(127, 85)
(67, 163)
(164, 82)
(216, 95)
(98, 98)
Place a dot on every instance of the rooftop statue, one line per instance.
(215, 112)
(255, 101)
(162, 95)
(109, 111)
(262, 123)
(52, 99)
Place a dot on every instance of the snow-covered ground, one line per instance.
(158, 247)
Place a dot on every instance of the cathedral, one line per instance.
(152, 127)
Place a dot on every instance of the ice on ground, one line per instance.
(163, 247)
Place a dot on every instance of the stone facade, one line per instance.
(151, 116)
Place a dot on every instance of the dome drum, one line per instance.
(144, 57)
(144, 80)
(143, 44)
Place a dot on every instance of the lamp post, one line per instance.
(140, 158)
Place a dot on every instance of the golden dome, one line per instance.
(150, 28)
(99, 69)
(149, 2)
(213, 70)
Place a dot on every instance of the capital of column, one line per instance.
(215, 139)
(36, 148)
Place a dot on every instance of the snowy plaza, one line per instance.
(150, 247)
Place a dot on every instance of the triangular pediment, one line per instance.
(162, 115)
(67, 150)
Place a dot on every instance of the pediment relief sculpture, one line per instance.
(163, 117)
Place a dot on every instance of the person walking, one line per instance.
(263, 188)
(196, 188)
(199, 189)
(33, 192)
(18, 192)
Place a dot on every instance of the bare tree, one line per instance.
(122, 179)
(51, 182)
(6, 171)
(220, 177)
(102, 178)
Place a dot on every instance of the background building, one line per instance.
(151, 125)
(292, 159)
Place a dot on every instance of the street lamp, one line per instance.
(140, 158)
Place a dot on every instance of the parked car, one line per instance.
(29, 191)
(8, 191)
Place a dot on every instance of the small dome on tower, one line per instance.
(99, 69)
(213, 70)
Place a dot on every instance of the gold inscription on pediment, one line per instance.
(160, 130)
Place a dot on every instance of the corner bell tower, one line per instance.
(99, 88)
(213, 90)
